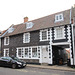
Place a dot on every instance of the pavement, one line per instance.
(55, 67)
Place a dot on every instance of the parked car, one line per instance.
(12, 62)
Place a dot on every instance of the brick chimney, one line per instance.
(25, 19)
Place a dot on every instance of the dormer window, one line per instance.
(59, 17)
(10, 30)
(29, 25)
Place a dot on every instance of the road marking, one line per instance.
(22, 70)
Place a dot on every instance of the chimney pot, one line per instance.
(25, 19)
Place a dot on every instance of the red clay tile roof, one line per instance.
(41, 23)
(3, 32)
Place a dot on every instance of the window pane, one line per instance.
(26, 38)
(59, 33)
(34, 52)
(44, 35)
(7, 53)
(60, 16)
(6, 40)
(19, 52)
(26, 52)
(56, 17)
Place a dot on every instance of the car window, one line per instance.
(9, 58)
(6, 58)
(3, 58)
(15, 58)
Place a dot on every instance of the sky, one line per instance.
(13, 11)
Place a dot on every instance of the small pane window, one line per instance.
(34, 52)
(58, 17)
(59, 32)
(6, 41)
(29, 25)
(26, 52)
(26, 37)
(20, 52)
(43, 35)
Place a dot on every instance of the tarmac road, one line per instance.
(33, 71)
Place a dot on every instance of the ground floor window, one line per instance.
(20, 52)
(34, 52)
(6, 52)
(28, 52)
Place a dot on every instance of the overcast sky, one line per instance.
(13, 11)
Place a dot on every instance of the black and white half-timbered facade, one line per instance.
(47, 40)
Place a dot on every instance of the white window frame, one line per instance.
(63, 37)
(21, 52)
(58, 15)
(24, 38)
(5, 51)
(5, 41)
(24, 52)
(10, 30)
(37, 52)
(41, 35)
(29, 25)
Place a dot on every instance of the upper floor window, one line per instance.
(44, 35)
(6, 41)
(26, 38)
(59, 33)
(58, 17)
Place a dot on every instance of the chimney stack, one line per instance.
(25, 19)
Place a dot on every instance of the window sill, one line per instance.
(6, 44)
(59, 38)
(44, 40)
(26, 42)
(58, 21)
(27, 58)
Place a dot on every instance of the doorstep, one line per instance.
(55, 67)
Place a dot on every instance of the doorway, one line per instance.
(44, 54)
(60, 55)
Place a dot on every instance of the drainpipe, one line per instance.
(72, 24)
(0, 46)
(73, 42)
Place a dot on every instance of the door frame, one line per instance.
(42, 54)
